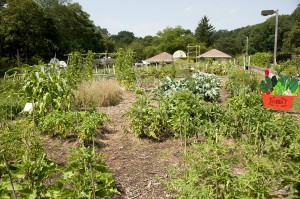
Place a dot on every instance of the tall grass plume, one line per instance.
(98, 93)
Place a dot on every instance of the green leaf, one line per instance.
(152, 134)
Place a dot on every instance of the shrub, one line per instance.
(148, 120)
(18, 138)
(261, 59)
(98, 93)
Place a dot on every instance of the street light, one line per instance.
(247, 56)
(270, 12)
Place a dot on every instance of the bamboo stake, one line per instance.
(93, 183)
(10, 179)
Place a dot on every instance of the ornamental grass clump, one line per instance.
(98, 93)
(287, 86)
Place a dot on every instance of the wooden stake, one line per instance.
(10, 179)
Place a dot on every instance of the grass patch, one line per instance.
(98, 93)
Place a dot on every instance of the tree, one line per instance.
(204, 31)
(172, 39)
(109, 42)
(39, 29)
(21, 28)
(228, 45)
(123, 38)
(291, 42)
(137, 48)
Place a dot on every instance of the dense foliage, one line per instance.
(37, 30)
(241, 82)
(124, 71)
(204, 32)
(47, 88)
(25, 169)
(245, 151)
(63, 124)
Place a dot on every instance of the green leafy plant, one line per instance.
(286, 86)
(241, 82)
(80, 68)
(207, 85)
(227, 169)
(262, 59)
(61, 123)
(19, 138)
(124, 68)
(47, 88)
(148, 120)
(85, 176)
(28, 177)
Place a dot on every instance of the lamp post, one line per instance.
(270, 12)
(247, 55)
(246, 62)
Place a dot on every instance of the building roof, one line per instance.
(214, 53)
(162, 57)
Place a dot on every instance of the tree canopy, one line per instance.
(40, 29)
(204, 31)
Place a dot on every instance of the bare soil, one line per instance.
(223, 91)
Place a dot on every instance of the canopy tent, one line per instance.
(162, 57)
(179, 54)
(214, 53)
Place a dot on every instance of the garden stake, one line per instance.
(216, 136)
(92, 178)
(185, 156)
(256, 134)
(10, 179)
(94, 154)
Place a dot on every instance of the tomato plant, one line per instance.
(124, 68)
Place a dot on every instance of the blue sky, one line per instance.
(148, 17)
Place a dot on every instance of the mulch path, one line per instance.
(138, 165)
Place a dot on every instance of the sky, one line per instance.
(151, 16)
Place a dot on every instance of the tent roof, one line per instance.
(162, 57)
(214, 53)
(179, 54)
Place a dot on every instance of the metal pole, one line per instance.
(275, 40)
(247, 43)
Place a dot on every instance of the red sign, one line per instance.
(277, 102)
